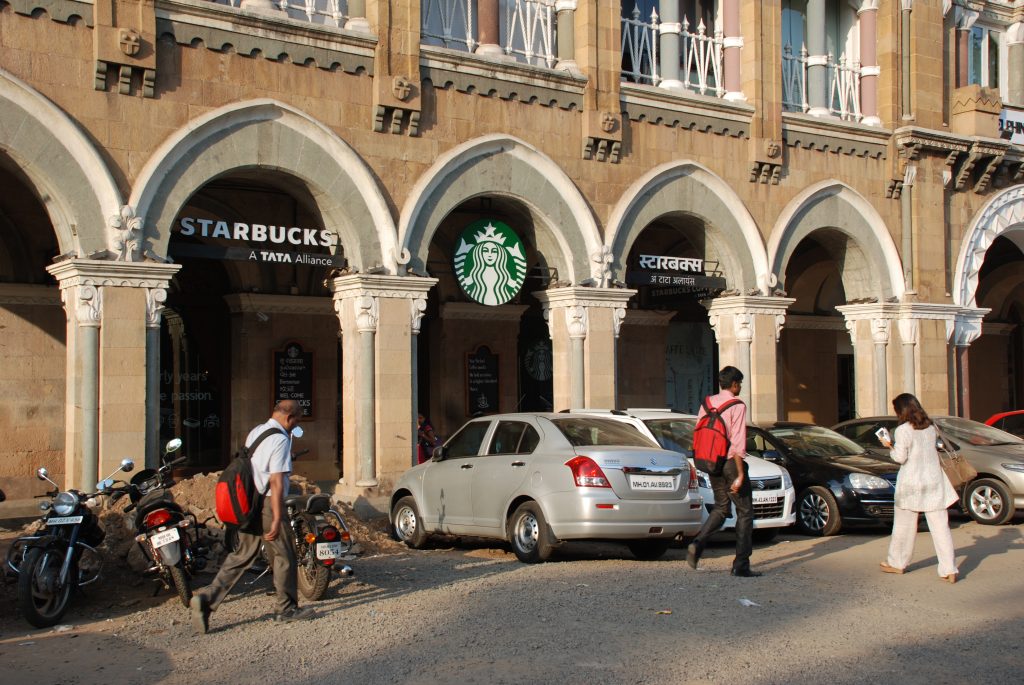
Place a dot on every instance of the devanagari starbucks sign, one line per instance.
(673, 275)
(490, 262)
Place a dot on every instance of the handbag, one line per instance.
(956, 467)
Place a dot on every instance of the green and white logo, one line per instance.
(489, 262)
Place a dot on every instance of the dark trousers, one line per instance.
(281, 556)
(724, 499)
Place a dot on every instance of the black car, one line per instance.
(836, 482)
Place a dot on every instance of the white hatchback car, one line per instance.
(772, 486)
(537, 479)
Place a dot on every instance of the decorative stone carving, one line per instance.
(880, 331)
(1005, 210)
(155, 298)
(772, 149)
(603, 259)
(127, 235)
(602, 136)
(401, 88)
(743, 323)
(125, 44)
(87, 304)
(618, 316)
(577, 321)
(609, 122)
(130, 42)
(417, 309)
(367, 314)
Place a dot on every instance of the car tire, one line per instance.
(989, 502)
(407, 525)
(648, 550)
(529, 535)
(817, 512)
(763, 536)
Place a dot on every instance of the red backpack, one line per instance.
(710, 441)
(236, 499)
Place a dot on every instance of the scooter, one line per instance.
(167, 534)
(62, 556)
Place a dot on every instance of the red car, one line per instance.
(1009, 421)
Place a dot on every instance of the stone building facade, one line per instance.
(209, 204)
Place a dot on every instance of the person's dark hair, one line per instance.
(909, 410)
(729, 375)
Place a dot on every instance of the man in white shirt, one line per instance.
(271, 466)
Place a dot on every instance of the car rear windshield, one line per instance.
(974, 433)
(584, 432)
(815, 441)
(673, 434)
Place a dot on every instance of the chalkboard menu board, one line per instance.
(481, 382)
(293, 377)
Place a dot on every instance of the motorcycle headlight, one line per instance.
(864, 481)
(65, 503)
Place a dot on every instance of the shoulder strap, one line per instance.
(722, 407)
(251, 449)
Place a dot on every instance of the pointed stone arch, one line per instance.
(1003, 214)
(503, 166)
(269, 134)
(871, 264)
(690, 188)
(69, 176)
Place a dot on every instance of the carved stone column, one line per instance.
(747, 330)
(869, 326)
(869, 70)
(380, 318)
(109, 305)
(966, 329)
(964, 19)
(487, 22)
(584, 324)
(566, 35)
(1015, 64)
(732, 47)
(910, 331)
(817, 59)
(155, 298)
(668, 39)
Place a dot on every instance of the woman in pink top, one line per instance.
(921, 486)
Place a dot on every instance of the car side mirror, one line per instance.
(172, 446)
(772, 455)
(439, 453)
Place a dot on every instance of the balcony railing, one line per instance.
(325, 12)
(527, 28)
(843, 84)
(700, 54)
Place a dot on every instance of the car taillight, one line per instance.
(586, 473)
(694, 485)
(157, 518)
(329, 533)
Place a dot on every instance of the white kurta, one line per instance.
(921, 484)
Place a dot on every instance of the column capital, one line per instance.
(1015, 33)
(576, 297)
(565, 5)
(99, 273)
(868, 6)
(374, 285)
(742, 308)
(964, 18)
(967, 326)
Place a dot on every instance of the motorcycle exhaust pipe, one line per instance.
(346, 571)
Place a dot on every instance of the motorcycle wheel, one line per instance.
(313, 578)
(180, 581)
(41, 601)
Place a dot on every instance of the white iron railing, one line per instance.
(530, 31)
(700, 54)
(843, 84)
(528, 28)
(325, 12)
(448, 23)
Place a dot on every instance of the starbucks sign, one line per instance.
(489, 262)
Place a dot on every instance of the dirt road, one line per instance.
(822, 613)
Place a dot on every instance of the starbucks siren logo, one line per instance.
(489, 262)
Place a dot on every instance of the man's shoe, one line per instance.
(693, 553)
(295, 614)
(200, 614)
(746, 573)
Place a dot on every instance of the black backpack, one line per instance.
(237, 501)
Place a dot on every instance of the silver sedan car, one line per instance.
(539, 479)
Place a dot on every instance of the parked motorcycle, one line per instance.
(169, 536)
(62, 556)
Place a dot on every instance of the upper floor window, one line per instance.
(700, 43)
(527, 28)
(985, 53)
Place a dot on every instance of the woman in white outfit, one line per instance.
(921, 486)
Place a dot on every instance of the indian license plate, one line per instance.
(63, 520)
(652, 483)
(765, 498)
(165, 538)
(328, 550)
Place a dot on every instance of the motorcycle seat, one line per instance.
(312, 503)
